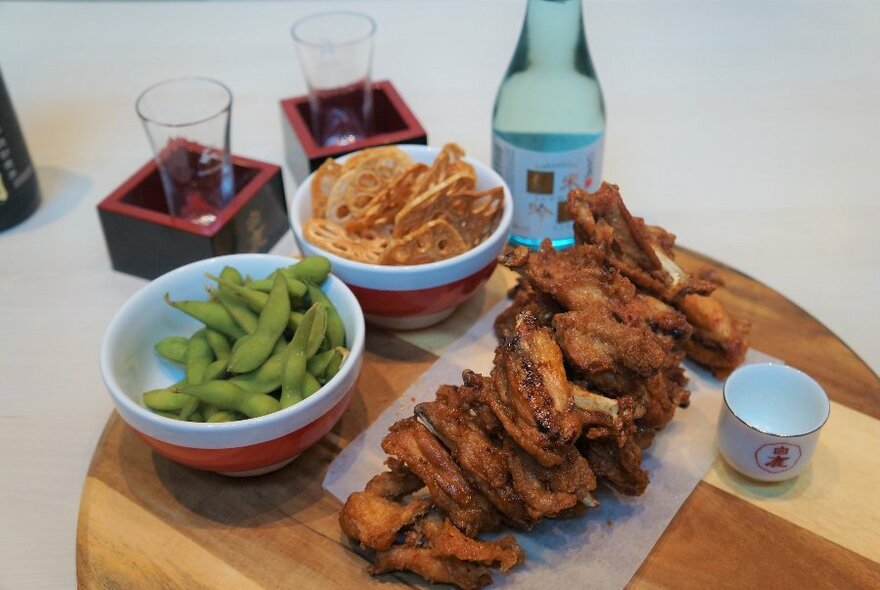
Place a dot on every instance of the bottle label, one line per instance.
(540, 183)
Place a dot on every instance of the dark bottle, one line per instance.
(19, 192)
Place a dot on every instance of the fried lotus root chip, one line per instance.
(448, 162)
(434, 241)
(352, 192)
(385, 162)
(322, 183)
(475, 214)
(378, 217)
(429, 205)
(333, 238)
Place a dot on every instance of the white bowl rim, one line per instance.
(410, 269)
(257, 430)
(783, 368)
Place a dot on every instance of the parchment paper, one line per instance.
(605, 547)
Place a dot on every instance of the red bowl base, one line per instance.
(257, 458)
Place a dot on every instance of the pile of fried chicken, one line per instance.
(587, 370)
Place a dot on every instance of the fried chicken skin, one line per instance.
(644, 255)
(641, 253)
(412, 443)
(719, 341)
(482, 458)
(374, 521)
(432, 566)
(448, 541)
(532, 397)
(604, 351)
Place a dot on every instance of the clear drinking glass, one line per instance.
(187, 123)
(336, 54)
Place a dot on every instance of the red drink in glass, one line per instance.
(341, 116)
(197, 180)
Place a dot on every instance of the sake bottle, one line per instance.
(548, 122)
(19, 193)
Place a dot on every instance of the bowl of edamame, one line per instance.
(235, 364)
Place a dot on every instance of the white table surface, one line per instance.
(748, 129)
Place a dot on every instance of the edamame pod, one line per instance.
(310, 385)
(210, 313)
(221, 416)
(266, 378)
(317, 365)
(295, 288)
(335, 327)
(293, 323)
(219, 344)
(230, 274)
(208, 410)
(228, 396)
(252, 350)
(239, 311)
(189, 408)
(198, 356)
(311, 268)
(216, 370)
(339, 356)
(172, 348)
(305, 343)
(165, 400)
(256, 300)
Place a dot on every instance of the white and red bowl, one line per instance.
(415, 296)
(130, 366)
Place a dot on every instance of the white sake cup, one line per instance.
(770, 420)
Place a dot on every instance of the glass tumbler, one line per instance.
(336, 54)
(187, 123)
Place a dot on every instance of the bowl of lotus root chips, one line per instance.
(413, 230)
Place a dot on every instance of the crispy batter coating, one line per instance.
(599, 348)
(410, 442)
(719, 341)
(532, 396)
(643, 255)
(432, 566)
(482, 458)
(374, 521)
(447, 540)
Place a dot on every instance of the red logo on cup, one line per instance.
(777, 457)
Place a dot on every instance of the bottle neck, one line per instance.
(553, 29)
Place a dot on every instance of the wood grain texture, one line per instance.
(719, 541)
(147, 522)
(832, 497)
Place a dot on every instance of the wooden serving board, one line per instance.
(146, 522)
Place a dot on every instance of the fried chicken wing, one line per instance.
(643, 255)
(528, 300)
(410, 442)
(621, 467)
(432, 566)
(554, 490)
(448, 541)
(374, 521)
(483, 460)
(577, 278)
(605, 351)
(395, 483)
(719, 341)
(531, 396)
